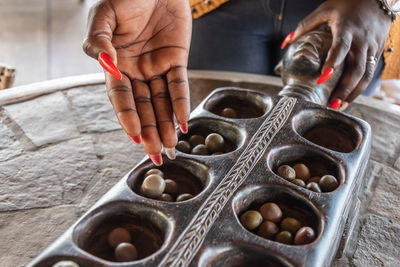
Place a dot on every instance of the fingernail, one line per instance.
(326, 75)
(335, 104)
(107, 63)
(156, 158)
(344, 106)
(183, 127)
(170, 152)
(136, 139)
(287, 40)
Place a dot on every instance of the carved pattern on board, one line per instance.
(187, 245)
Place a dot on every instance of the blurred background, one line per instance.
(41, 40)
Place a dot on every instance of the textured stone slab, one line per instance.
(93, 108)
(46, 119)
(379, 243)
(51, 176)
(24, 234)
(9, 145)
(385, 132)
(118, 155)
(386, 198)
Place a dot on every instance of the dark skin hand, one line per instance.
(148, 41)
(359, 29)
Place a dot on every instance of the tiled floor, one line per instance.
(42, 38)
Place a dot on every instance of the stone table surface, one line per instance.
(62, 148)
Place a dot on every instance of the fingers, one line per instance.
(341, 44)
(163, 111)
(312, 21)
(149, 132)
(121, 97)
(354, 71)
(178, 87)
(366, 79)
(101, 25)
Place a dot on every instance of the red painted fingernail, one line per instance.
(335, 104)
(287, 40)
(183, 127)
(326, 75)
(107, 63)
(156, 158)
(136, 139)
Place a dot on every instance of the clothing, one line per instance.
(201, 7)
(392, 53)
(245, 35)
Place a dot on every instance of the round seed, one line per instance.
(284, 237)
(196, 139)
(229, 113)
(215, 142)
(302, 171)
(200, 150)
(154, 171)
(251, 219)
(287, 172)
(65, 264)
(271, 212)
(313, 187)
(166, 197)
(184, 197)
(299, 182)
(184, 146)
(304, 235)
(117, 236)
(268, 230)
(171, 187)
(328, 183)
(291, 225)
(125, 252)
(153, 186)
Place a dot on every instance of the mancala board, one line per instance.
(206, 230)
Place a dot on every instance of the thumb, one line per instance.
(101, 25)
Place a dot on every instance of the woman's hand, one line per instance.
(359, 29)
(148, 41)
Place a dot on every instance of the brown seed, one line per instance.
(125, 252)
(65, 264)
(286, 172)
(313, 187)
(166, 198)
(284, 237)
(299, 182)
(196, 139)
(184, 146)
(184, 197)
(117, 236)
(291, 225)
(271, 212)
(302, 172)
(153, 186)
(304, 235)
(200, 150)
(328, 183)
(314, 179)
(229, 113)
(268, 230)
(154, 171)
(171, 187)
(215, 142)
(251, 219)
